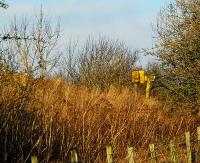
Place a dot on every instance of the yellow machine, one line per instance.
(135, 76)
(142, 76)
(138, 76)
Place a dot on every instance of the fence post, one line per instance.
(153, 153)
(131, 155)
(198, 148)
(198, 135)
(74, 156)
(34, 159)
(109, 154)
(173, 151)
(188, 147)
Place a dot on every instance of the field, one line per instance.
(48, 118)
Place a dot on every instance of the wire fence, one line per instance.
(185, 149)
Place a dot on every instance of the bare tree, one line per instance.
(31, 48)
(101, 63)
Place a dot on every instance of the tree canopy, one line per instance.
(3, 4)
(178, 49)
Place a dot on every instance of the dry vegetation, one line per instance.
(94, 104)
(49, 118)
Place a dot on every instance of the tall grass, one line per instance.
(48, 118)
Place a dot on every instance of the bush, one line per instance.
(101, 63)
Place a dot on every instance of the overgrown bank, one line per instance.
(48, 118)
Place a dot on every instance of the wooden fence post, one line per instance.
(109, 154)
(153, 153)
(74, 156)
(34, 159)
(131, 155)
(198, 148)
(188, 147)
(198, 135)
(173, 151)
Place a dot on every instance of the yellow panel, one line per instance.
(142, 77)
(135, 77)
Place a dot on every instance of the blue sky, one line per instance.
(126, 20)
